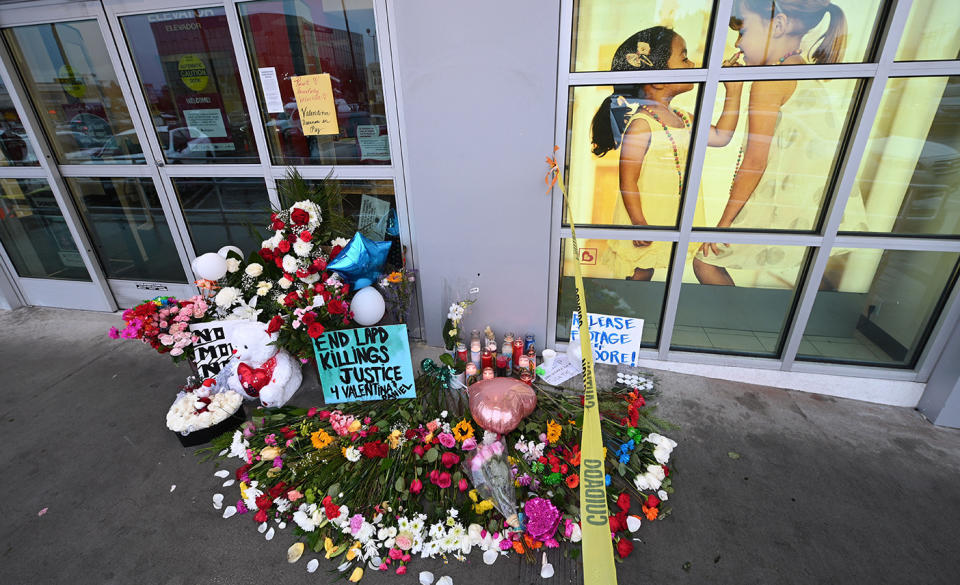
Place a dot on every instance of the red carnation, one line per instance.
(623, 502)
(278, 490)
(330, 509)
(449, 459)
(274, 325)
(299, 217)
(278, 260)
(305, 236)
(336, 307)
(277, 225)
(652, 501)
(266, 254)
(301, 273)
(261, 516)
(374, 449)
(284, 246)
(308, 318)
(290, 299)
(336, 250)
(264, 501)
(624, 547)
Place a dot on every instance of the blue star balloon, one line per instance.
(360, 261)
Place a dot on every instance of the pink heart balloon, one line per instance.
(499, 404)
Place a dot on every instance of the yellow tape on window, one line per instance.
(598, 565)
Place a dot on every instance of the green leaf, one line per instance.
(456, 477)
(447, 359)
(333, 490)
(622, 469)
(385, 464)
(431, 455)
(733, 455)
(399, 485)
(419, 471)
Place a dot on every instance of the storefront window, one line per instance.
(128, 228)
(605, 31)
(800, 32)
(191, 83)
(741, 299)
(223, 212)
(931, 33)
(343, 107)
(15, 149)
(75, 93)
(775, 172)
(876, 307)
(34, 233)
(640, 295)
(909, 178)
(627, 153)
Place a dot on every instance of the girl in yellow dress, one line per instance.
(653, 139)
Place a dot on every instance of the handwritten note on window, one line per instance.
(314, 95)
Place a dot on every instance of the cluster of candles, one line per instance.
(517, 357)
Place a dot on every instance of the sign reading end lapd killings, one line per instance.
(372, 363)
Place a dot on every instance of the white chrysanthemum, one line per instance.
(342, 242)
(302, 248)
(352, 454)
(263, 287)
(305, 517)
(290, 263)
(253, 270)
(227, 296)
(282, 504)
(238, 448)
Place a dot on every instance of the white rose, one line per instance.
(284, 283)
(290, 264)
(662, 454)
(233, 265)
(254, 270)
(302, 248)
(227, 296)
(657, 472)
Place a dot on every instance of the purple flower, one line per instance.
(524, 480)
(542, 518)
(356, 521)
(270, 439)
(114, 333)
(469, 445)
(277, 462)
(241, 507)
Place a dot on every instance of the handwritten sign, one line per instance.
(212, 351)
(372, 363)
(318, 112)
(615, 340)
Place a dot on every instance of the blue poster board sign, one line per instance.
(372, 363)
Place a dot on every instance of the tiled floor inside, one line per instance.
(857, 347)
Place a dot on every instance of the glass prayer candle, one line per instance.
(528, 342)
(502, 365)
(517, 349)
(462, 352)
(470, 373)
(475, 352)
(526, 377)
(508, 338)
(486, 359)
(523, 362)
(507, 352)
(487, 373)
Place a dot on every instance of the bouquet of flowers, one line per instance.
(164, 324)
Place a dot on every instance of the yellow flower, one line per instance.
(428, 438)
(483, 506)
(462, 431)
(243, 490)
(395, 277)
(355, 426)
(473, 496)
(394, 439)
(553, 431)
(354, 551)
(329, 547)
(320, 439)
(356, 575)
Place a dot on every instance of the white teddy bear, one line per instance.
(262, 370)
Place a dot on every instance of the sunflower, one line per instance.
(462, 431)
(395, 277)
(320, 439)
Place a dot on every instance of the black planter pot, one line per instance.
(206, 435)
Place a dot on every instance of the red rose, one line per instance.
(462, 485)
(345, 290)
(434, 475)
(652, 501)
(443, 480)
(315, 330)
(305, 236)
(288, 433)
(324, 414)
(278, 490)
(624, 547)
(299, 217)
(266, 254)
(274, 325)
(416, 486)
(336, 307)
(284, 246)
(618, 522)
(449, 459)
(290, 299)
(336, 250)
(308, 318)
(320, 264)
(418, 449)
(623, 502)
(260, 517)
(277, 225)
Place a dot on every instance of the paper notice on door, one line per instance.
(372, 145)
(207, 122)
(271, 89)
(318, 112)
(373, 218)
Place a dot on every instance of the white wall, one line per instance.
(477, 85)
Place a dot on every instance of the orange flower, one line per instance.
(573, 481)
(553, 431)
(320, 439)
(518, 547)
(531, 543)
(650, 512)
(395, 277)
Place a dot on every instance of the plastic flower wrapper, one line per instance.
(200, 406)
(492, 479)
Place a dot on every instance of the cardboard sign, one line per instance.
(318, 112)
(371, 363)
(212, 351)
(615, 340)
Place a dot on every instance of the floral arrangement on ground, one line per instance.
(373, 485)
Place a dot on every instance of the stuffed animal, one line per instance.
(262, 370)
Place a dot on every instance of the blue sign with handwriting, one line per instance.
(615, 340)
(372, 363)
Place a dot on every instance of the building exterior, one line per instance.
(774, 188)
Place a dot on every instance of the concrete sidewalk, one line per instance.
(818, 490)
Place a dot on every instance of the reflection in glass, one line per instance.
(34, 233)
(748, 318)
(776, 172)
(71, 81)
(15, 149)
(221, 212)
(910, 172)
(800, 32)
(610, 294)
(877, 307)
(191, 83)
(601, 26)
(315, 37)
(128, 229)
(931, 32)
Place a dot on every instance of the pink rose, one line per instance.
(443, 480)
(463, 485)
(447, 440)
(449, 459)
(469, 445)
(416, 486)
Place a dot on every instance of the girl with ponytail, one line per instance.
(652, 138)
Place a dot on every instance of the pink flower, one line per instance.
(404, 542)
(505, 544)
(463, 485)
(405, 558)
(241, 507)
(356, 521)
(551, 543)
(416, 486)
(402, 570)
(294, 495)
(114, 333)
(469, 445)
(312, 411)
(395, 553)
(447, 440)
(432, 425)
(449, 459)
(443, 480)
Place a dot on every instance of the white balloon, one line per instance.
(368, 306)
(222, 252)
(210, 266)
